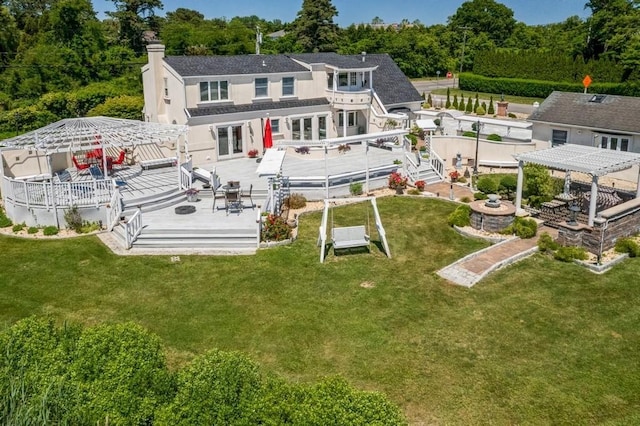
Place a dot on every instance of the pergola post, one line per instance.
(567, 182)
(519, 186)
(593, 200)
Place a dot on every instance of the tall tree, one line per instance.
(485, 16)
(314, 27)
(134, 17)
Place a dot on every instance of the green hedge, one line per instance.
(539, 88)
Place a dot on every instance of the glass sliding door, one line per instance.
(308, 129)
(230, 141)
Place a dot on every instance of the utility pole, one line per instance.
(464, 42)
(258, 40)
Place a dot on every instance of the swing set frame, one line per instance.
(349, 236)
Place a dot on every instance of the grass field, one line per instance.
(537, 343)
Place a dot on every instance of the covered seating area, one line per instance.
(44, 169)
(595, 162)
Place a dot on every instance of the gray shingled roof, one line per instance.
(191, 66)
(389, 82)
(615, 113)
(333, 59)
(258, 106)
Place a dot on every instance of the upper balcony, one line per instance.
(349, 98)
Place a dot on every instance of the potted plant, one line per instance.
(252, 153)
(454, 175)
(192, 194)
(397, 182)
(420, 184)
(343, 148)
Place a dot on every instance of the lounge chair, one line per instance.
(97, 174)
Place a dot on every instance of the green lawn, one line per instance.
(537, 343)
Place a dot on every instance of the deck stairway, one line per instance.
(231, 240)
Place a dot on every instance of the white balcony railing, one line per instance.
(349, 98)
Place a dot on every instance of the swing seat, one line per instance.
(349, 237)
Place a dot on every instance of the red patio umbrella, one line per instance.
(268, 137)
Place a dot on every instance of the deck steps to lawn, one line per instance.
(225, 240)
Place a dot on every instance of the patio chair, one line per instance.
(118, 161)
(232, 201)
(243, 194)
(216, 194)
(79, 166)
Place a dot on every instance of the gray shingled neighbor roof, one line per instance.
(615, 113)
(258, 106)
(191, 66)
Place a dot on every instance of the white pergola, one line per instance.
(87, 133)
(578, 158)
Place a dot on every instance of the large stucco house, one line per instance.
(225, 100)
(605, 121)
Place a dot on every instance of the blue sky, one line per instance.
(429, 12)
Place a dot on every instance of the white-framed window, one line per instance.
(330, 81)
(558, 137)
(262, 87)
(166, 87)
(352, 119)
(288, 86)
(211, 91)
(615, 143)
(322, 127)
(275, 125)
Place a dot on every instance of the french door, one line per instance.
(230, 142)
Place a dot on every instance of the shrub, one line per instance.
(481, 111)
(522, 227)
(355, 188)
(275, 228)
(426, 105)
(4, 220)
(546, 243)
(568, 254)
(487, 185)
(629, 246)
(462, 179)
(429, 100)
(437, 121)
(18, 227)
(413, 138)
(454, 105)
(447, 104)
(461, 216)
(50, 230)
(538, 184)
(494, 137)
(88, 227)
(413, 191)
(73, 218)
(420, 184)
(508, 183)
(469, 134)
(295, 201)
(465, 199)
(469, 107)
(480, 196)
(512, 115)
(491, 109)
(32, 230)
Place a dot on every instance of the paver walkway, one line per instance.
(474, 267)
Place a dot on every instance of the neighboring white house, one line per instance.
(225, 100)
(606, 121)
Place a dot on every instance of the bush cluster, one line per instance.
(118, 374)
(569, 253)
(546, 243)
(355, 188)
(494, 137)
(461, 216)
(5, 222)
(629, 246)
(275, 228)
(295, 201)
(522, 227)
(487, 185)
(50, 231)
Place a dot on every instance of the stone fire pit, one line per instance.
(492, 215)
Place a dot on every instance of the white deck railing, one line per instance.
(114, 210)
(48, 194)
(437, 164)
(186, 177)
(411, 167)
(132, 228)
